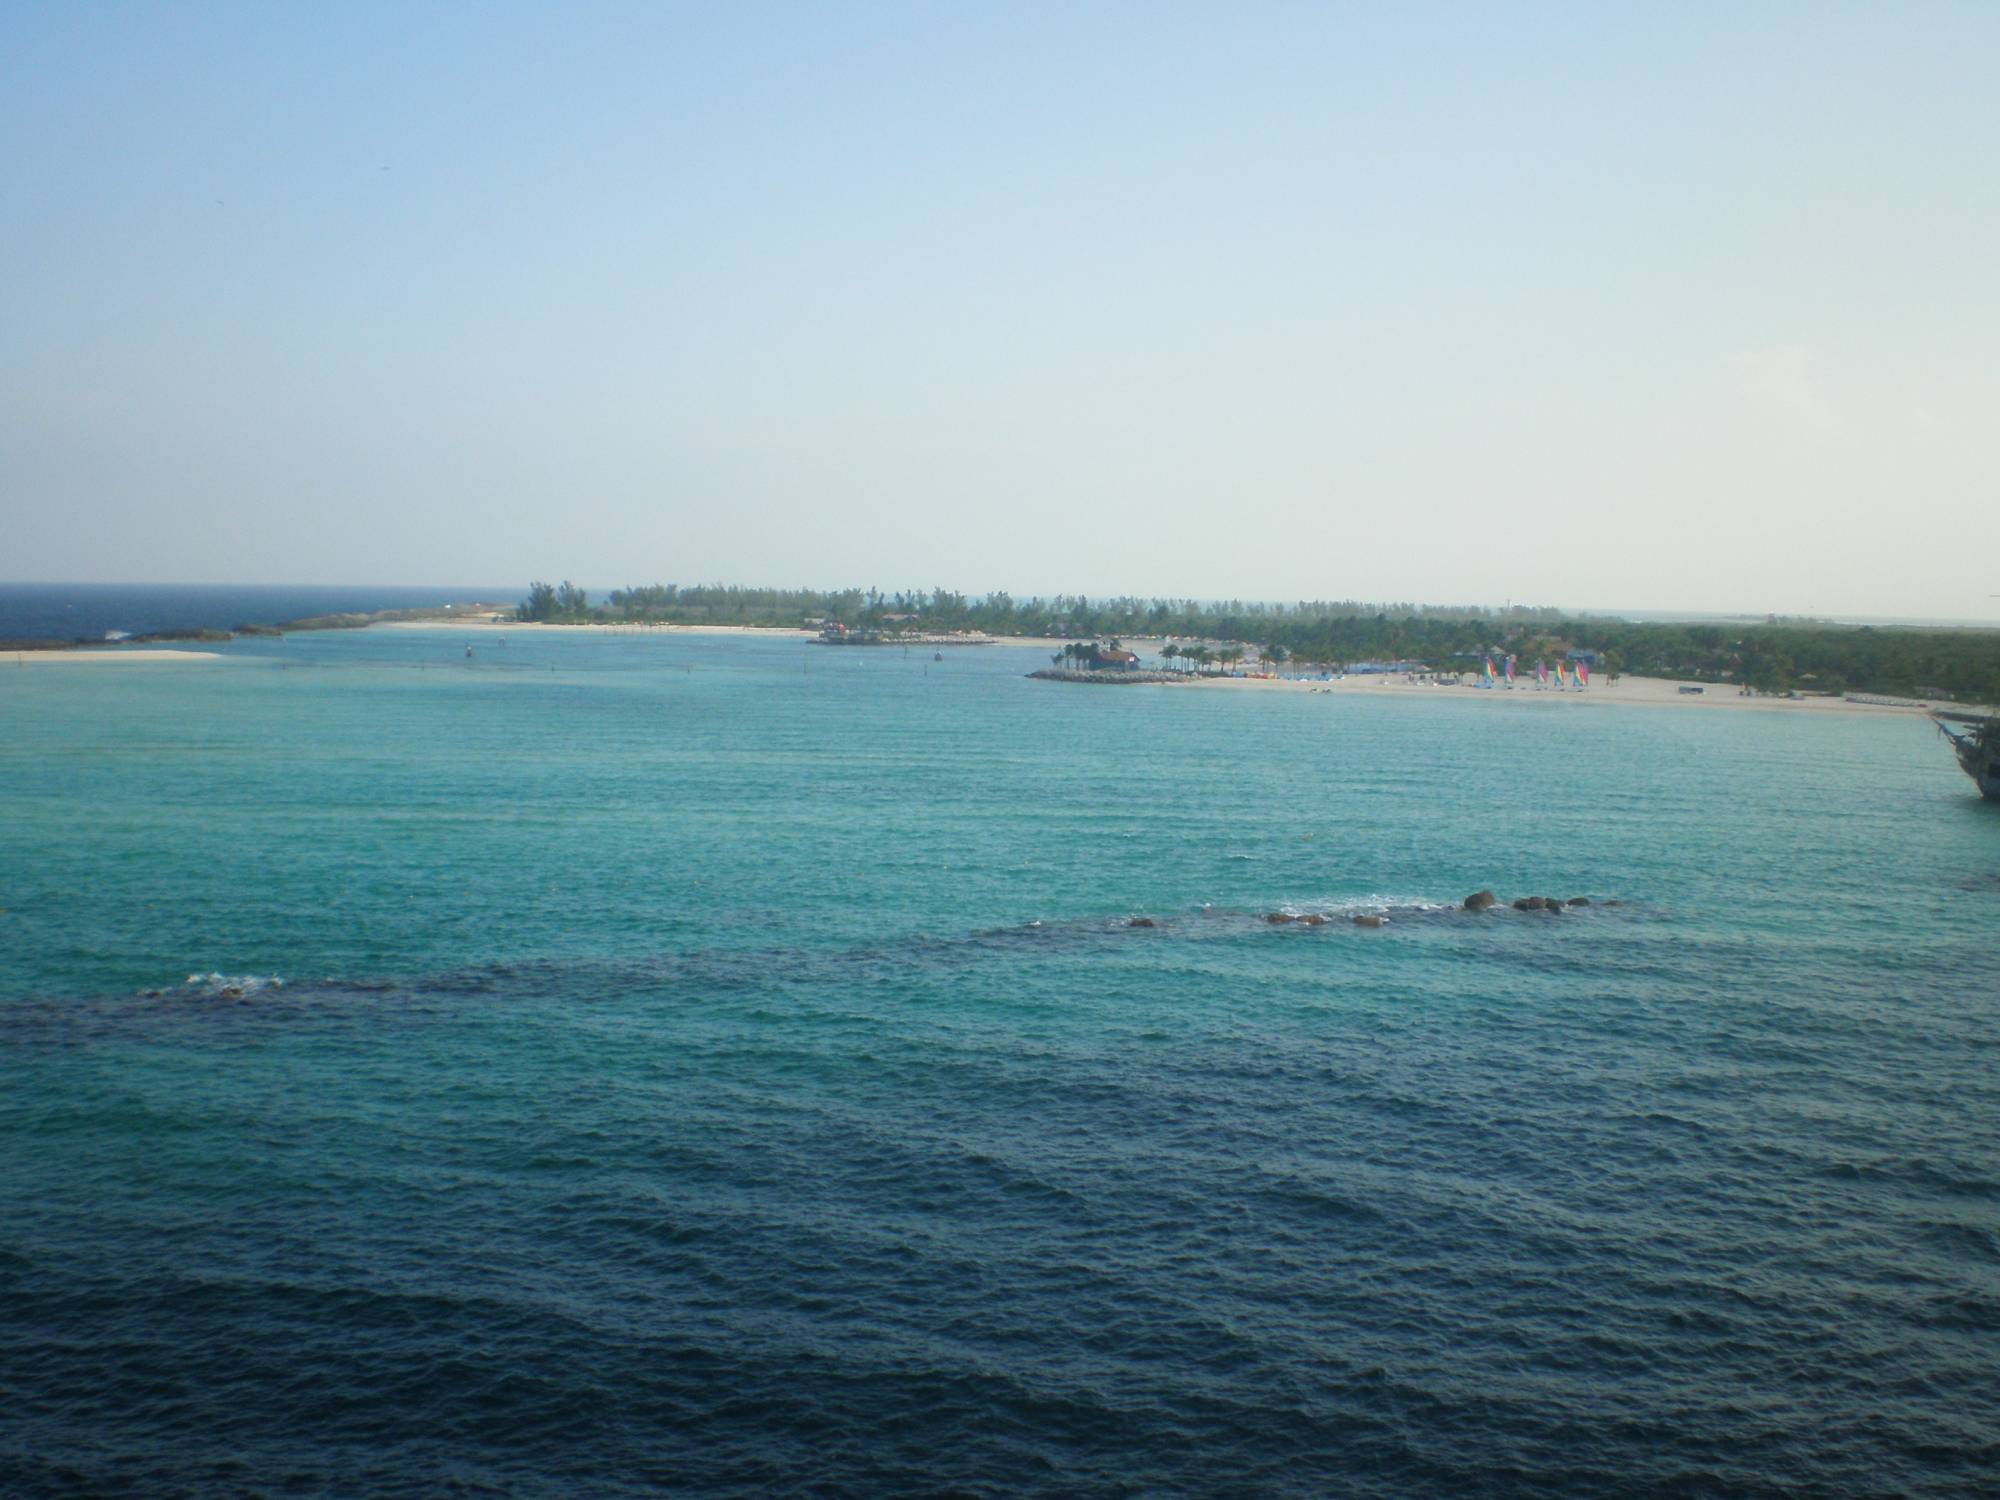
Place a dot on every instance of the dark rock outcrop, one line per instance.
(1479, 901)
(1110, 679)
(203, 634)
(1370, 921)
(1142, 922)
(1578, 901)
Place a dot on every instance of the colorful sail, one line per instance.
(1489, 671)
(1583, 674)
(1510, 671)
(1541, 674)
(1561, 681)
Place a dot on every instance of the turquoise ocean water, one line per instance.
(723, 1066)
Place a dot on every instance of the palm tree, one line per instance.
(1275, 655)
(1168, 652)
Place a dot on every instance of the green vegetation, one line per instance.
(568, 605)
(1776, 656)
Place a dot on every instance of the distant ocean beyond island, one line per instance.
(89, 611)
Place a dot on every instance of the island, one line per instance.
(1768, 655)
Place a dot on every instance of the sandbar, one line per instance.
(103, 654)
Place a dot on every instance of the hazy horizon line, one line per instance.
(501, 592)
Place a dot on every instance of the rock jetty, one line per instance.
(1103, 678)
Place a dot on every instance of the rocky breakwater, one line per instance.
(1105, 678)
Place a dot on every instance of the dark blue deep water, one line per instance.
(91, 611)
(665, 1064)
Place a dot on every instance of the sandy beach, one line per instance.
(100, 654)
(1642, 692)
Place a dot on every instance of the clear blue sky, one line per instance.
(1693, 307)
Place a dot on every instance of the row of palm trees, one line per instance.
(1197, 658)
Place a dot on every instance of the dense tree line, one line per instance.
(1777, 655)
(548, 602)
(1961, 664)
(1002, 614)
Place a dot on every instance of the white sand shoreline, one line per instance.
(1640, 692)
(103, 654)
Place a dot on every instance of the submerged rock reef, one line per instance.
(1383, 915)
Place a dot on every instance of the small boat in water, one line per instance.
(1977, 746)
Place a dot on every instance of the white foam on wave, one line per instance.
(1360, 906)
(232, 986)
